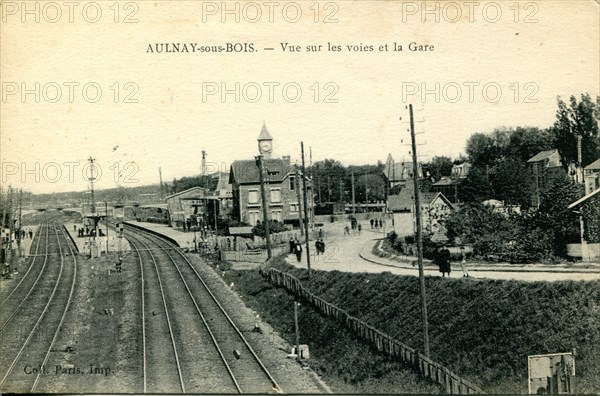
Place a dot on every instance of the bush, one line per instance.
(274, 226)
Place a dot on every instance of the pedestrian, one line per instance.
(372, 221)
(292, 245)
(380, 223)
(318, 246)
(74, 227)
(346, 230)
(320, 233)
(463, 262)
(359, 228)
(298, 251)
(442, 259)
(322, 246)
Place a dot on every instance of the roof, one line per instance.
(264, 134)
(405, 200)
(444, 181)
(200, 189)
(584, 198)
(593, 165)
(543, 155)
(246, 171)
(395, 171)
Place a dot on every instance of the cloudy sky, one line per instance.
(103, 90)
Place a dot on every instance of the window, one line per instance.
(253, 217)
(292, 182)
(253, 197)
(275, 195)
(294, 207)
(276, 215)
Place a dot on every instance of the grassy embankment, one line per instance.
(482, 330)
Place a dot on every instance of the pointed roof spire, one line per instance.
(264, 134)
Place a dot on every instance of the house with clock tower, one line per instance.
(280, 184)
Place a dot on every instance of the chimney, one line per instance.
(286, 159)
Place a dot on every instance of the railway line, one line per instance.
(189, 341)
(35, 312)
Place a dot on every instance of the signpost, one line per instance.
(551, 374)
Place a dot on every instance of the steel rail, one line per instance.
(62, 319)
(166, 316)
(37, 323)
(151, 236)
(32, 286)
(35, 256)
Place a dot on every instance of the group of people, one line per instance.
(22, 234)
(296, 248)
(442, 259)
(87, 231)
(376, 223)
(320, 246)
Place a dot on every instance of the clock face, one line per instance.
(265, 146)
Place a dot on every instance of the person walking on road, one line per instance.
(463, 262)
(372, 221)
(292, 245)
(442, 259)
(346, 230)
(298, 251)
(359, 228)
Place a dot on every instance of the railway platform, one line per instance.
(183, 239)
(83, 243)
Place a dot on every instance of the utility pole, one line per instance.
(297, 330)
(106, 221)
(305, 210)
(419, 233)
(259, 159)
(297, 185)
(162, 187)
(19, 243)
(95, 230)
(579, 161)
(353, 197)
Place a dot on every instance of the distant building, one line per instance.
(280, 185)
(397, 173)
(591, 176)
(541, 166)
(188, 205)
(460, 171)
(435, 208)
(500, 207)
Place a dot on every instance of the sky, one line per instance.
(87, 80)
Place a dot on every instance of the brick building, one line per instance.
(280, 185)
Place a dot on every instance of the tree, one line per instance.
(526, 142)
(511, 182)
(327, 176)
(484, 149)
(476, 187)
(573, 120)
(438, 166)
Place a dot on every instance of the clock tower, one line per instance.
(265, 143)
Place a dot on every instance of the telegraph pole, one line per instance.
(297, 183)
(106, 220)
(259, 159)
(95, 230)
(305, 210)
(419, 233)
(353, 198)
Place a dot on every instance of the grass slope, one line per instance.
(483, 330)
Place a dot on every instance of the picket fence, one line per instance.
(384, 343)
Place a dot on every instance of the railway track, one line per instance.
(29, 330)
(206, 350)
